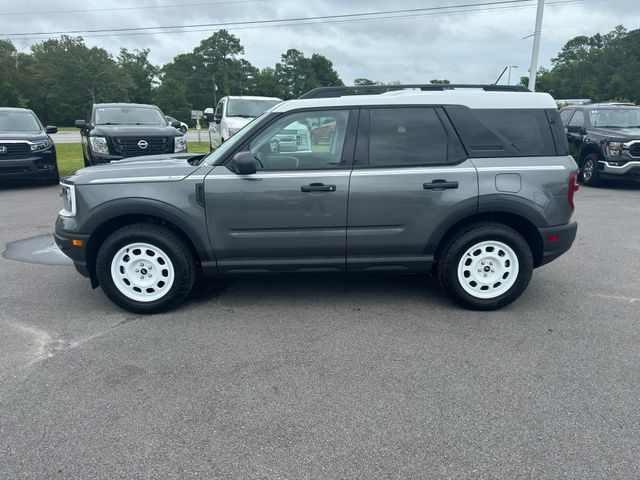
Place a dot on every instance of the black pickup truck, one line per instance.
(604, 139)
(120, 130)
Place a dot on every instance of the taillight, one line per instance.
(573, 187)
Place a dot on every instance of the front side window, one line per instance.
(219, 108)
(577, 120)
(18, 121)
(565, 115)
(295, 143)
(129, 116)
(407, 136)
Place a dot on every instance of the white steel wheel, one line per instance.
(488, 269)
(142, 272)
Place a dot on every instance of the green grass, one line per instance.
(70, 155)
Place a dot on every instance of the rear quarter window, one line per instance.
(504, 132)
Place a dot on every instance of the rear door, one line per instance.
(410, 178)
(290, 215)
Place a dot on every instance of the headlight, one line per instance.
(613, 149)
(99, 145)
(68, 194)
(38, 146)
(180, 144)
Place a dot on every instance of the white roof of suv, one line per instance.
(472, 98)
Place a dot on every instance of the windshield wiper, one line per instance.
(610, 126)
(110, 123)
(243, 116)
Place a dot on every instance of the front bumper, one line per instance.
(628, 170)
(556, 241)
(78, 254)
(39, 165)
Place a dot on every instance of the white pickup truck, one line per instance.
(232, 113)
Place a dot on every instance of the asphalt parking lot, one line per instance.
(326, 376)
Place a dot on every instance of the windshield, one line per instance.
(615, 117)
(241, 107)
(19, 121)
(129, 116)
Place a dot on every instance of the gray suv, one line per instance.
(472, 183)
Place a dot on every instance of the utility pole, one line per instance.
(536, 47)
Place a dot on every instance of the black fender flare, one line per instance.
(116, 208)
(488, 207)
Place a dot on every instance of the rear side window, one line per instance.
(407, 136)
(503, 132)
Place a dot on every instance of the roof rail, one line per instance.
(331, 92)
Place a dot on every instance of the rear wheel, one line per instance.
(145, 268)
(485, 266)
(589, 170)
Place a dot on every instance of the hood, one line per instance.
(133, 131)
(236, 122)
(622, 133)
(171, 167)
(27, 136)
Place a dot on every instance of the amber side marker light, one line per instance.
(77, 243)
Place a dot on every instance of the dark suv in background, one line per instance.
(120, 130)
(26, 150)
(604, 139)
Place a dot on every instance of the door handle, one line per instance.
(439, 185)
(318, 187)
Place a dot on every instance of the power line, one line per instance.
(259, 22)
(230, 2)
(334, 21)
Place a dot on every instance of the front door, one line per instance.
(411, 175)
(575, 133)
(291, 215)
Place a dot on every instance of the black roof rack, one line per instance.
(332, 92)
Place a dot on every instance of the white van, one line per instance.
(233, 113)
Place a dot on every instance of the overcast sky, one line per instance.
(462, 47)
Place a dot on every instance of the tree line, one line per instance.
(603, 67)
(60, 78)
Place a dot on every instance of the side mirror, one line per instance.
(51, 129)
(81, 124)
(208, 114)
(243, 163)
(176, 124)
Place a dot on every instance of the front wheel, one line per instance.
(589, 171)
(145, 268)
(485, 266)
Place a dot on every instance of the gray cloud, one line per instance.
(471, 47)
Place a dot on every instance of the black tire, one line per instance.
(589, 170)
(163, 238)
(462, 241)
